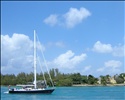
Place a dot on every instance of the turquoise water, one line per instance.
(71, 93)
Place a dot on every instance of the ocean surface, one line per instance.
(71, 93)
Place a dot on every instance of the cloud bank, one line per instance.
(17, 56)
(17, 53)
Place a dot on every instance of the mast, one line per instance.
(34, 59)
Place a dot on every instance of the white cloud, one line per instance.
(68, 60)
(102, 48)
(117, 51)
(71, 18)
(110, 67)
(51, 20)
(113, 64)
(16, 53)
(75, 16)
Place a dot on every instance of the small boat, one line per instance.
(33, 88)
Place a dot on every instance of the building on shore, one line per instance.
(112, 80)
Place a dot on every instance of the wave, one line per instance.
(6, 92)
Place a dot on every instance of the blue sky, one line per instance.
(85, 37)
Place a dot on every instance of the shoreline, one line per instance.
(87, 85)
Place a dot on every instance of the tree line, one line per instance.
(61, 79)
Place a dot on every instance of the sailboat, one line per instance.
(33, 88)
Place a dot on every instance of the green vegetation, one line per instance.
(61, 79)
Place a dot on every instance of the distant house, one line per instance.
(112, 80)
(99, 81)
